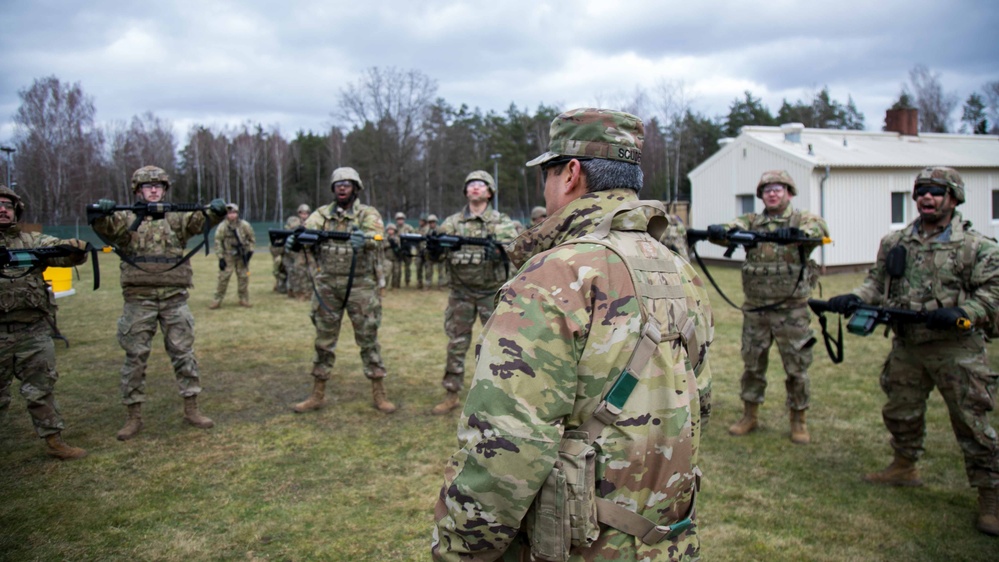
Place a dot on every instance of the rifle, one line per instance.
(239, 248)
(749, 239)
(437, 244)
(864, 318)
(307, 238)
(32, 259)
(144, 209)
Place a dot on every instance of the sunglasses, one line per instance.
(933, 190)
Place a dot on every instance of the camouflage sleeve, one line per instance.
(872, 290)
(372, 226)
(448, 226)
(315, 220)
(46, 241)
(114, 227)
(813, 226)
(218, 247)
(525, 385)
(250, 239)
(193, 224)
(506, 229)
(982, 304)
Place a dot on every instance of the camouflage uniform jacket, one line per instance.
(473, 268)
(675, 237)
(227, 236)
(28, 298)
(333, 257)
(293, 222)
(564, 328)
(958, 267)
(770, 272)
(156, 246)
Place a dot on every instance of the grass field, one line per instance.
(349, 483)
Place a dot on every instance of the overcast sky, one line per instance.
(284, 63)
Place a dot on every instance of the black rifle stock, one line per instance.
(749, 239)
(307, 238)
(142, 210)
(865, 317)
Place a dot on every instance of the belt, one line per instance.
(154, 259)
(11, 327)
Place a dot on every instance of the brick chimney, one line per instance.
(903, 121)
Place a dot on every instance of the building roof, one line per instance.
(841, 148)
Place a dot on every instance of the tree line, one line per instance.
(411, 147)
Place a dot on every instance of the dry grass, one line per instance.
(348, 483)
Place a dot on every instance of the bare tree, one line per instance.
(935, 106)
(58, 149)
(991, 92)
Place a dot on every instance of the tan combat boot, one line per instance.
(133, 423)
(748, 422)
(315, 400)
(988, 511)
(380, 398)
(60, 450)
(214, 305)
(901, 472)
(193, 416)
(450, 402)
(799, 431)
(245, 304)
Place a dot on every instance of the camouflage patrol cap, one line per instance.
(15, 199)
(776, 176)
(400, 215)
(431, 218)
(149, 174)
(229, 207)
(538, 212)
(944, 177)
(344, 174)
(595, 133)
(303, 208)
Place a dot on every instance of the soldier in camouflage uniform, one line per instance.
(299, 286)
(950, 272)
(474, 275)
(406, 259)
(538, 215)
(155, 280)
(28, 315)
(565, 327)
(333, 272)
(676, 237)
(777, 280)
(234, 243)
(433, 267)
(392, 249)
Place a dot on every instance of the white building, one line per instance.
(860, 181)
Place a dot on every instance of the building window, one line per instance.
(995, 204)
(898, 202)
(744, 204)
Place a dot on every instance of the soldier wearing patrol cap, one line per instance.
(234, 243)
(601, 318)
(951, 272)
(777, 280)
(474, 275)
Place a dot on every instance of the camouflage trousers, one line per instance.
(297, 274)
(393, 271)
(27, 353)
(959, 369)
(403, 264)
(136, 329)
(233, 264)
(790, 329)
(432, 268)
(459, 319)
(277, 268)
(364, 307)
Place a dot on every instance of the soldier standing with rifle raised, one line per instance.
(940, 266)
(155, 278)
(475, 273)
(777, 279)
(346, 280)
(28, 319)
(234, 243)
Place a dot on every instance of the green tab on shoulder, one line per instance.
(621, 390)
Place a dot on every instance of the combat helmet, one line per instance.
(400, 215)
(480, 175)
(303, 208)
(776, 176)
(943, 177)
(149, 174)
(229, 207)
(538, 212)
(18, 204)
(343, 174)
(431, 218)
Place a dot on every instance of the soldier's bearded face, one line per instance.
(934, 209)
(7, 216)
(344, 192)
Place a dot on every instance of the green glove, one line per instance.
(217, 207)
(106, 206)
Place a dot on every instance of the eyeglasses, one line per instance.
(7, 205)
(345, 183)
(152, 186)
(931, 189)
(773, 189)
(476, 183)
